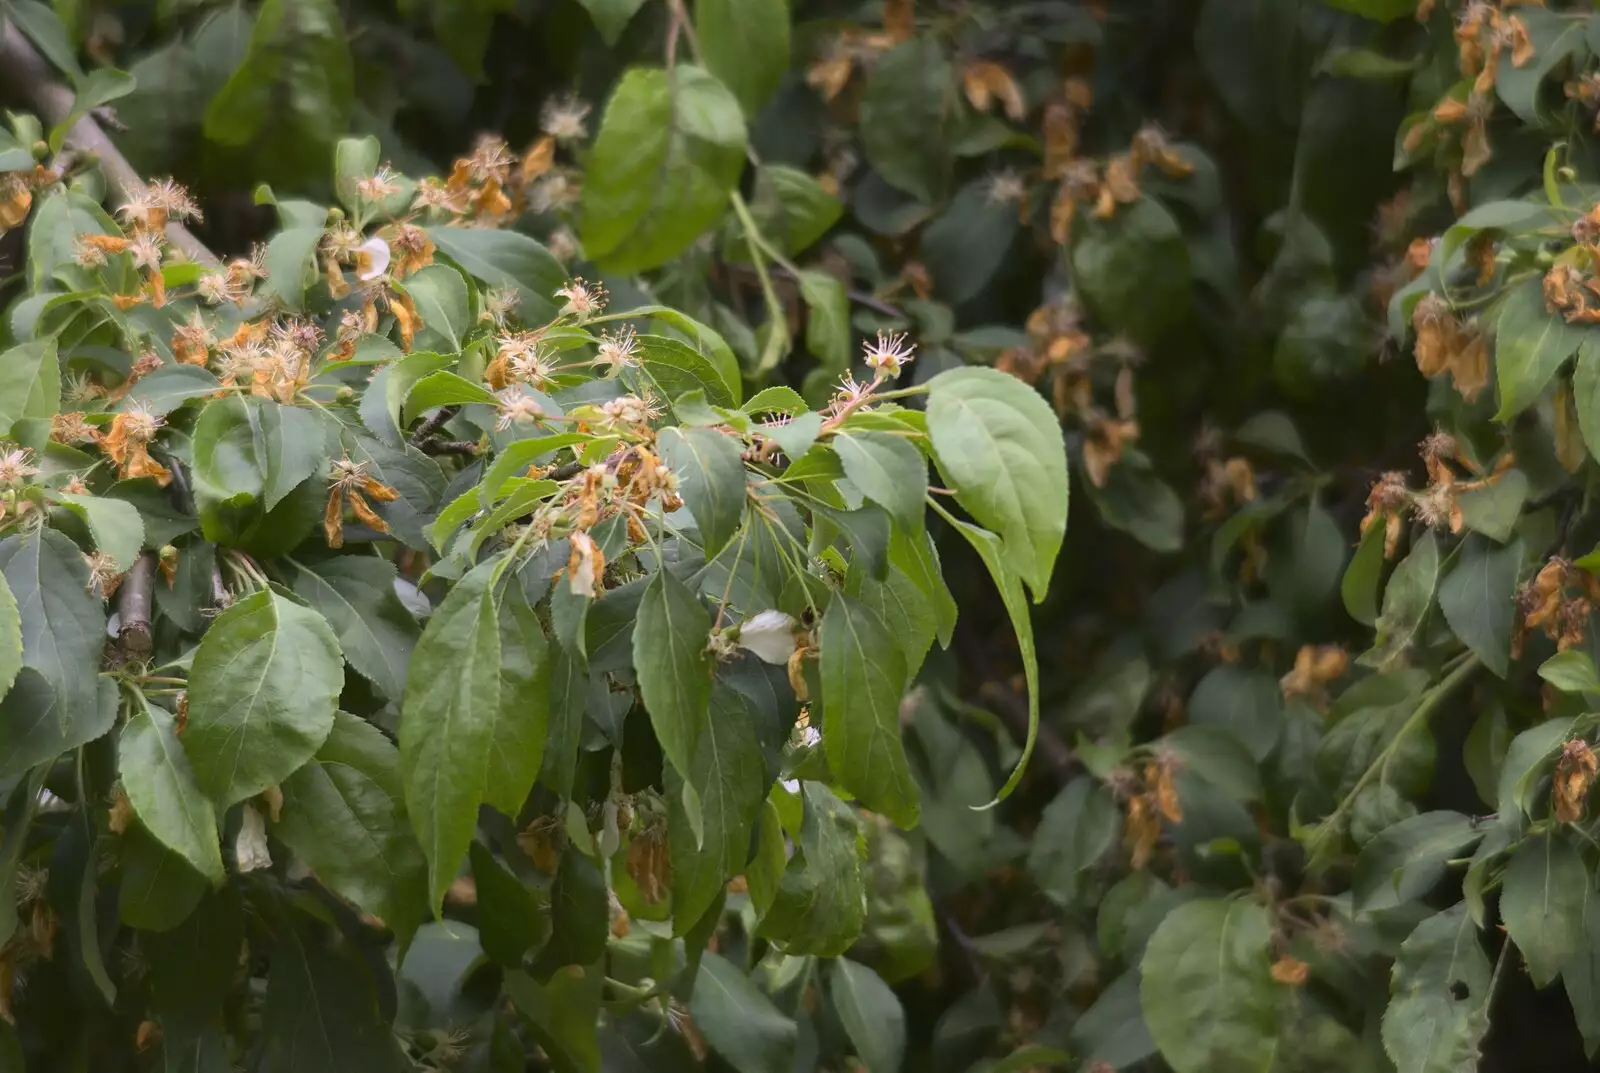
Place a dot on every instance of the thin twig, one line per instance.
(450, 447)
(433, 424)
(134, 599)
(24, 74)
(860, 298)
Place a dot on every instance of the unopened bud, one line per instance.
(168, 553)
(345, 393)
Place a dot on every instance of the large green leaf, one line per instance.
(511, 918)
(1478, 599)
(506, 259)
(344, 816)
(262, 692)
(739, 1022)
(1541, 902)
(999, 445)
(1406, 861)
(376, 632)
(162, 789)
(820, 905)
(289, 102)
(115, 525)
(863, 675)
(30, 382)
(888, 470)
(1439, 997)
(678, 368)
(1530, 344)
(10, 637)
(321, 1013)
(670, 148)
(1074, 832)
(711, 480)
(1406, 600)
(907, 114)
(63, 632)
(729, 775)
(673, 666)
(1581, 974)
(746, 45)
(516, 747)
(871, 1015)
(447, 724)
(1206, 987)
(562, 1014)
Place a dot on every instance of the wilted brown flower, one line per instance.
(350, 485)
(1290, 971)
(1575, 774)
(1315, 668)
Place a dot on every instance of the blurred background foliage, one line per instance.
(1201, 228)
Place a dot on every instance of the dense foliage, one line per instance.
(541, 546)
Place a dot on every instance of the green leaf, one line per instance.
(1381, 10)
(729, 776)
(376, 632)
(1363, 578)
(116, 526)
(1572, 671)
(344, 816)
(516, 748)
(1206, 987)
(579, 915)
(1406, 601)
(63, 638)
(511, 918)
(1586, 392)
(1009, 584)
(1554, 40)
(21, 804)
(828, 333)
(159, 889)
(290, 100)
(262, 692)
(440, 295)
(1494, 509)
(444, 388)
(1135, 274)
(678, 368)
(965, 246)
(792, 209)
(904, 611)
(30, 382)
(43, 27)
(1403, 863)
(321, 1013)
(820, 905)
(1075, 831)
(161, 787)
(746, 45)
(447, 724)
(739, 1022)
(291, 264)
(1581, 974)
(907, 115)
(1478, 599)
(1530, 345)
(670, 149)
(870, 1013)
(10, 638)
(863, 675)
(999, 445)
(1439, 997)
(562, 1013)
(506, 259)
(711, 478)
(888, 470)
(673, 666)
(1541, 902)
(611, 17)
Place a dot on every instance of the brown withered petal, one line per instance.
(899, 20)
(1291, 972)
(650, 866)
(333, 518)
(1570, 450)
(1575, 774)
(1159, 777)
(1141, 832)
(1475, 151)
(360, 508)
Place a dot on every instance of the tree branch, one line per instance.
(25, 75)
(134, 598)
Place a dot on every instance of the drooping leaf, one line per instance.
(1206, 987)
(506, 259)
(1438, 1008)
(1404, 862)
(820, 905)
(673, 666)
(30, 382)
(1541, 902)
(447, 724)
(728, 773)
(161, 787)
(863, 675)
(871, 1015)
(998, 444)
(263, 689)
(739, 1022)
(517, 745)
(670, 147)
(1074, 832)
(711, 480)
(907, 115)
(1530, 345)
(344, 816)
(1478, 599)
(746, 45)
(888, 470)
(1406, 600)
(511, 920)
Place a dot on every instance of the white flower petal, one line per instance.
(372, 259)
(770, 635)
(250, 848)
